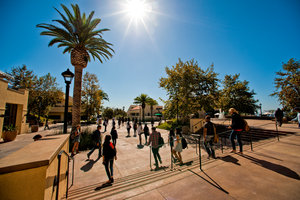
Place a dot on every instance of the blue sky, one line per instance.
(249, 37)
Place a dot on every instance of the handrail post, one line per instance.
(58, 176)
(251, 140)
(67, 174)
(200, 153)
(150, 158)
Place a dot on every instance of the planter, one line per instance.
(9, 135)
(34, 128)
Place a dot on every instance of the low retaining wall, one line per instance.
(30, 172)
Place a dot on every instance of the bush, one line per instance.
(86, 141)
(170, 124)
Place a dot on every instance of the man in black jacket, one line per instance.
(96, 136)
(237, 126)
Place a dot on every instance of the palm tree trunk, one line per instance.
(143, 114)
(77, 96)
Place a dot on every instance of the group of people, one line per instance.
(107, 149)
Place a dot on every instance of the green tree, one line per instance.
(44, 95)
(119, 113)
(23, 78)
(151, 103)
(236, 94)
(92, 95)
(78, 35)
(142, 100)
(108, 113)
(190, 88)
(287, 85)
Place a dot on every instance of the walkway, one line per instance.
(271, 171)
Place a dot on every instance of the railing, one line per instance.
(67, 173)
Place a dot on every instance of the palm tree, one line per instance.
(142, 100)
(151, 103)
(79, 37)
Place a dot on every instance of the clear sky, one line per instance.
(250, 37)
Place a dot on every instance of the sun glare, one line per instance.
(137, 9)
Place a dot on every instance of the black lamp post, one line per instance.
(68, 76)
(177, 100)
(260, 110)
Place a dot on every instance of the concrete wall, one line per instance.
(196, 124)
(29, 173)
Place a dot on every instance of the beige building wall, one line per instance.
(135, 111)
(17, 97)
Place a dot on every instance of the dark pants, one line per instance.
(109, 168)
(105, 128)
(114, 140)
(209, 146)
(128, 131)
(236, 134)
(156, 155)
(93, 149)
(146, 139)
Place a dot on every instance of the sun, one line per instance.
(137, 9)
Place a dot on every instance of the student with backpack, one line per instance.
(109, 154)
(96, 136)
(178, 146)
(210, 137)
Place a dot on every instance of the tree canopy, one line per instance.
(92, 95)
(236, 94)
(287, 85)
(190, 88)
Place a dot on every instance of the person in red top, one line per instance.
(109, 154)
(237, 126)
(153, 140)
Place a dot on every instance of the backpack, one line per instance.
(184, 143)
(246, 126)
(161, 141)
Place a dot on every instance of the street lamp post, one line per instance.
(177, 100)
(260, 110)
(68, 76)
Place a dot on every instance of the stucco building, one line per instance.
(13, 106)
(135, 112)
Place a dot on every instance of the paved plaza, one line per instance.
(271, 171)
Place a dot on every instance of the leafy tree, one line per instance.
(92, 95)
(78, 35)
(119, 112)
(142, 100)
(190, 88)
(236, 94)
(23, 78)
(287, 85)
(151, 103)
(108, 113)
(44, 95)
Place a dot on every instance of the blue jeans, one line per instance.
(236, 134)
(109, 168)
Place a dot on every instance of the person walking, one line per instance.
(109, 154)
(76, 140)
(237, 126)
(139, 132)
(152, 122)
(105, 123)
(278, 117)
(96, 136)
(128, 127)
(46, 125)
(154, 141)
(114, 135)
(178, 146)
(134, 129)
(146, 132)
(119, 122)
(209, 136)
(171, 143)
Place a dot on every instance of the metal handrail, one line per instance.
(67, 173)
